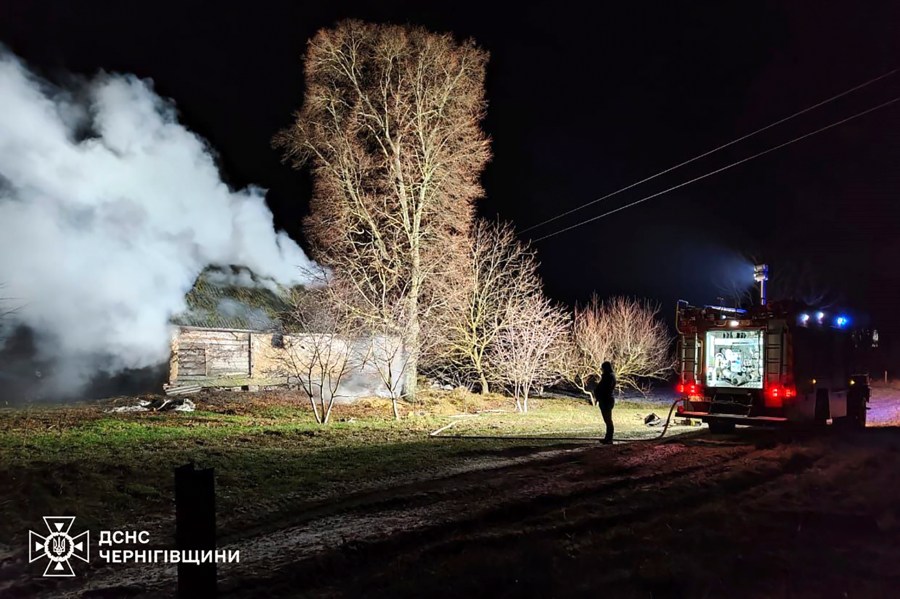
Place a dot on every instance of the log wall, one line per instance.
(223, 358)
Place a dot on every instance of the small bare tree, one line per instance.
(521, 353)
(641, 343)
(587, 347)
(502, 273)
(319, 348)
(388, 354)
(381, 324)
(624, 331)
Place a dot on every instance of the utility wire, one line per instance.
(719, 170)
(714, 150)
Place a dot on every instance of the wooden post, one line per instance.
(195, 529)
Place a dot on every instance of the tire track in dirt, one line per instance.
(583, 513)
(438, 544)
(436, 516)
(331, 521)
(444, 522)
(128, 578)
(411, 507)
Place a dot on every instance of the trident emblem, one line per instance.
(59, 546)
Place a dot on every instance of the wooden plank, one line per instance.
(192, 372)
(205, 354)
(191, 329)
(183, 389)
(192, 358)
(222, 363)
(226, 370)
(226, 355)
(224, 337)
(227, 349)
(192, 368)
(191, 362)
(188, 362)
(229, 359)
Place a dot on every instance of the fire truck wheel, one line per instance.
(718, 427)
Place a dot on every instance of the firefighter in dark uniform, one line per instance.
(603, 393)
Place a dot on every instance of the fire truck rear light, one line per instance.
(775, 394)
(689, 389)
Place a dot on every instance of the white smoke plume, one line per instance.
(109, 210)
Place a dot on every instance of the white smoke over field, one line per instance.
(109, 210)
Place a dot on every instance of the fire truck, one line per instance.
(771, 364)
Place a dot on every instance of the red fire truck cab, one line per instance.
(768, 365)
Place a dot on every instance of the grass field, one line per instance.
(115, 469)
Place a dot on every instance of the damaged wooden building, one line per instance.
(225, 339)
(248, 360)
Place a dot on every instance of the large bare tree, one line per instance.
(624, 331)
(391, 127)
(501, 275)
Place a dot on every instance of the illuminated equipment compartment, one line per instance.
(734, 359)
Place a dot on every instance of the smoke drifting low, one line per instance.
(109, 210)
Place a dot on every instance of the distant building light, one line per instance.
(733, 323)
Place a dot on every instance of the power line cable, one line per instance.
(714, 150)
(719, 170)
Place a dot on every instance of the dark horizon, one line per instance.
(583, 101)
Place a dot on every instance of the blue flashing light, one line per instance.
(841, 321)
(729, 310)
(804, 318)
(820, 316)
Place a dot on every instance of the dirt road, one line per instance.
(754, 514)
(763, 515)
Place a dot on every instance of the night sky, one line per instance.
(583, 101)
